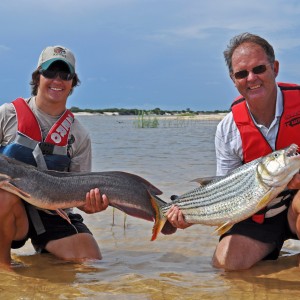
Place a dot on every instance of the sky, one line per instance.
(144, 54)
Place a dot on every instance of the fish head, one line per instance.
(279, 167)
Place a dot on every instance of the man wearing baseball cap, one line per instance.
(40, 131)
(56, 53)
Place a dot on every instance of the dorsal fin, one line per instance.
(206, 180)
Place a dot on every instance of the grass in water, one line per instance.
(146, 120)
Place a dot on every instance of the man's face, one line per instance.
(55, 90)
(254, 87)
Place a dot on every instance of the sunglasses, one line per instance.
(256, 70)
(53, 74)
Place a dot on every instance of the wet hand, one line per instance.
(294, 184)
(176, 218)
(95, 202)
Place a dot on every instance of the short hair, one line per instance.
(246, 37)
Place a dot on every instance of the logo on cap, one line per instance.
(60, 51)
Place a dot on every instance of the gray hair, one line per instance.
(246, 37)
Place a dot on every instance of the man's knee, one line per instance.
(226, 259)
(13, 216)
(79, 247)
(239, 252)
(8, 202)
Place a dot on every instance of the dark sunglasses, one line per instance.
(53, 74)
(256, 70)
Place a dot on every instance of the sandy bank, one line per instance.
(200, 117)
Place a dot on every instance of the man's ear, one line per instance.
(276, 67)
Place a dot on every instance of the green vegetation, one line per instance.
(153, 118)
(135, 112)
(120, 111)
(149, 120)
(146, 120)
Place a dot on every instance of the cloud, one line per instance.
(201, 22)
(4, 48)
(170, 36)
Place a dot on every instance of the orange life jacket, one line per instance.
(254, 143)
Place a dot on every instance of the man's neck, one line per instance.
(52, 109)
(263, 114)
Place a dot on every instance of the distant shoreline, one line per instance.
(200, 117)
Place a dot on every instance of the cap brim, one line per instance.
(48, 63)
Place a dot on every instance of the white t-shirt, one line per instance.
(229, 150)
(228, 142)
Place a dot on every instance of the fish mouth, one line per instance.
(292, 150)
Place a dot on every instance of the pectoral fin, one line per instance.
(63, 214)
(264, 201)
(223, 228)
(7, 186)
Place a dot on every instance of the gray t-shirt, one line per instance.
(80, 151)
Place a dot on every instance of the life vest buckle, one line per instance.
(47, 148)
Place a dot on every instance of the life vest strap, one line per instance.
(287, 197)
(46, 148)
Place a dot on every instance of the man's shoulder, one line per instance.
(7, 109)
(226, 123)
(288, 86)
(78, 125)
(79, 130)
(227, 130)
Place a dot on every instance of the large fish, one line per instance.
(58, 190)
(237, 196)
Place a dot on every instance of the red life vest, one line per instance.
(254, 143)
(29, 140)
(29, 126)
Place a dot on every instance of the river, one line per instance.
(172, 267)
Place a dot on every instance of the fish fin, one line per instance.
(168, 228)
(206, 180)
(9, 187)
(63, 214)
(223, 228)
(160, 219)
(158, 200)
(4, 177)
(149, 186)
(264, 201)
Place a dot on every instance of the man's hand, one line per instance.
(95, 202)
(294, 184)
(176, 218)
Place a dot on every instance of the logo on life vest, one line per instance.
(62, 129)
(293, 122)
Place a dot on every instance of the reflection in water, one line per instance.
(173, 267)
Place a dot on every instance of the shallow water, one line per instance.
(176, 266)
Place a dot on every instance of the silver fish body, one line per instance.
(237, 196)
(58, 190)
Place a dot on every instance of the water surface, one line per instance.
(172, 267)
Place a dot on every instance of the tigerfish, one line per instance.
(55, 190)
(237, 196)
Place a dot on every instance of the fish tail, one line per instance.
(160, 219)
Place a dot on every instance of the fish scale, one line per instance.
(237, 196)
(52, 190)
(209, 195)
